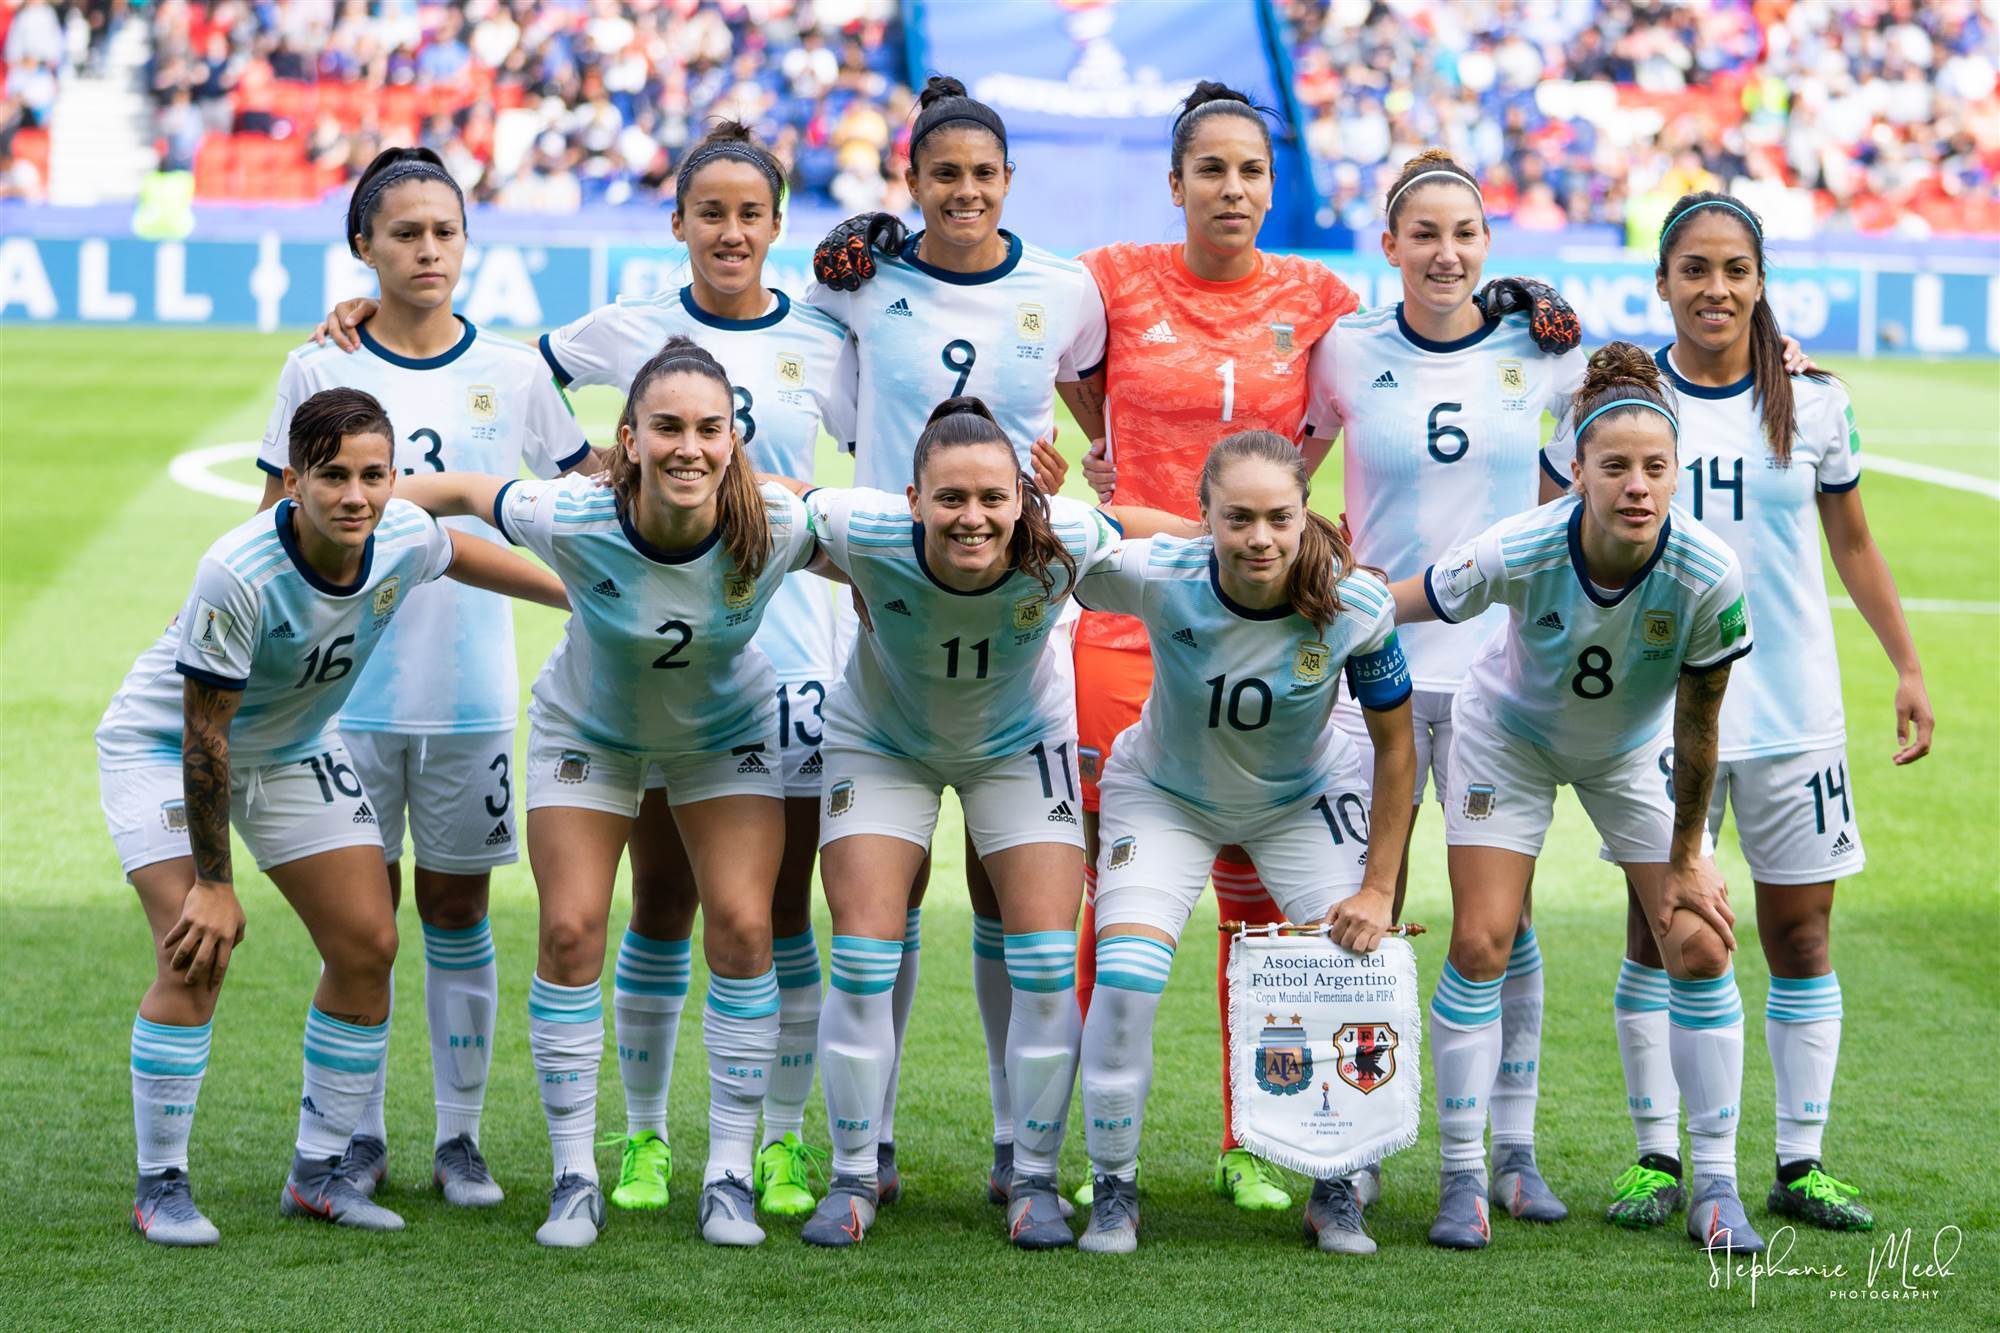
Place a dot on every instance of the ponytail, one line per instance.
(1034, 549)
(1323, 559)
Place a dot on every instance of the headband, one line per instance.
(1646, 403)
(964, 110)
(1450, 172)
(731, 148)
(403, 169)
(1732, 206)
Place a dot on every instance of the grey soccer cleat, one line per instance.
(576, 1213)
(1367, 1184)
(366, 1163)
(163, 1211)
(1519, 1188)
(461, 1176)
(1716, 1220)
(1000, 1181)
(888, 1180)
(1333, 1218)
(1462, 1223)
(727, 1213)
(844, 1215)
(319, 1189)
(1035, 1216)
(1114, 1217)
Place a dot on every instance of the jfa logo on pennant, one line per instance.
(1365, 1055)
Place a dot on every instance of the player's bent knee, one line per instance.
(736, 939)
(1480, 955)
(1703, 955)
(573, 948)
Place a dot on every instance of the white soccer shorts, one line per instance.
(569, 771)
(1031, 796)
(457, 790)
(1430, 718)
(800, 731)
(1794, 816)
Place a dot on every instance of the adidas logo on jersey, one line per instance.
(1550, 621)
(1843, 844)
(363, 815)
(1384, 381)
(1062, 814)
(499, 836)
(898, 606)
(283, 631)
(1185, 636)
(1159, 333)
(901, 307)
(606, 589)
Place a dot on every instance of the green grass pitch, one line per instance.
(99, 544)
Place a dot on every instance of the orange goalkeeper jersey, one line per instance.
(1188, 362)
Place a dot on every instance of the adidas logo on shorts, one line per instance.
(1062, 814)
(1385, 381)
(901, 307)
(499, 836)
(1843, 844)
(811, 765)
(900, 607)
(606, 589)
(753, 762)
(363, 815)
(283, 631)
(1185, 636)
(1159, 333)
(1550, 621)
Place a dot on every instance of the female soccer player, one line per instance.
(963, 577)
(671, 559)
(1771, 459)
(431, 722)
(1621, 626)
(1250, 626)
(230, 715)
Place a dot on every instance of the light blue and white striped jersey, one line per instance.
(262, 621)
(1586, 671)
(793, 368)
(1237, 719)
(656, 657)
(1438, 443)
(484, 406)
(927, 334)
(1786, 699)
(947, 674)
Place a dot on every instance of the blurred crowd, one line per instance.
(1874, 115)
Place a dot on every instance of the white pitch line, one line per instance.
(1936, 476)
(1940, 605)
(191, 470)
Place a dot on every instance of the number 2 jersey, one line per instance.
(656, 657)
(792, 368)
(1237, 721)
(1439, 441)
(486, 405)
(262, 621)
(947, 674)
(1586, 671)
(1786, 699)
(927, 334)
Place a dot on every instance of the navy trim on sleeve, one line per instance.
(1116, 526)
(1549, 469)
(563, 378)
(1392, 706)
(1431, 597)
(1839, 487)
(500, 503)
(582, 452)
(209, 678)
(262, 466)
(1706, 667)
(1102, 362)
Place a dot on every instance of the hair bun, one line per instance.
(1618, 363)
(967, 405)
(1208, 90)
(939, 86)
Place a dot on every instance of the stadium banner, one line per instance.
(1326, 1071)
(1867, 305)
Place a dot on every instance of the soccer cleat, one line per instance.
(1333, 1218)
(888, 1180)
(576, 1213)
(1086, 1193)
(1246, 1181)
(461, 1176)
(643, 1171)
(1644, 1197)
(782, 1176)
(1716, 1220)
(1114, 1217)
(1819, 1200)
(1000, 1181)
(322, 1190)
(163, 1211)
(1462, 1223)
(1035, 1215)
(1367, 1184)
(1519, 1188)
(844, 1215)
(366, 1163)
(727, 1213)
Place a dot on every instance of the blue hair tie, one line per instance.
(1647, 403)
(1735, 208)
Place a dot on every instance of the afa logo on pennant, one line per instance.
(1284, 1057)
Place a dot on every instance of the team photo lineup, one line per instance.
(1179, 562)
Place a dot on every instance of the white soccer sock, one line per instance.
(905, 996)
(343, 1062)
(1118, 1049)
(739, 1026)
(1802, 1028)
(1705, 1038)
(566, 1035)
(995, 995)
(857, 1043)
(1639, 1007)
(1518, 1083)
(461, 999)
(649, 988)
(1042, 1032)
(373, 1123)
(167, 1066)
(796, 959)
(1465, 1059)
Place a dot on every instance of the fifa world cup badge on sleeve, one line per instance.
(1324, 1070)
(1462, 577)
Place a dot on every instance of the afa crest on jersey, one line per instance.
(1365, 1055)
(1512, 378)
(385, 595)
(791, 370)
(1284, 1057)
(483, 402)
(1281, 339)
(1310, 664)
(1031, 322)
(1657, 629)
(1029, 612)
(738, 591)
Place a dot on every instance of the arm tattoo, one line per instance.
(1085, 399)
(1697, 719)
(206, 713)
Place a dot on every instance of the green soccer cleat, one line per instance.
(643, 1173)
(1643, 1198)
(1247, 1182)
(1819, 1200)
(782, 1176)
